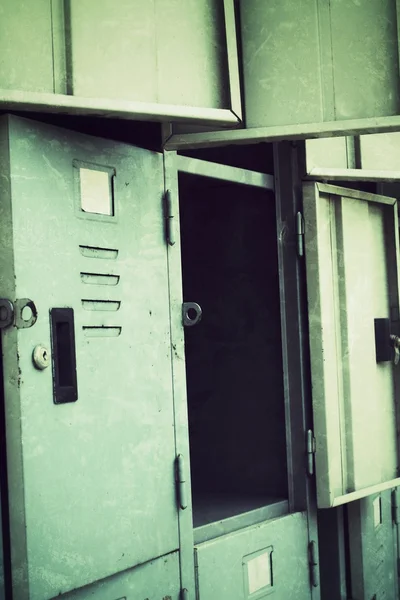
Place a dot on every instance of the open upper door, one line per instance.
(352, 245)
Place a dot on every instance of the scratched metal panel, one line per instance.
(155, 51)
(271, 558)
(91, 483)
(372, 547)
(155, 580)
(191, 53)
(351, 243)
(26, 53)
(281, 74)
(112, 49)
(380, 151)
(313, 61)
(326, 152)
(365, 58)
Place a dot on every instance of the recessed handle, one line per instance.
(191, 313)
(383, 348)
(65, 387)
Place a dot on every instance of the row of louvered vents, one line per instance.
(101, 306)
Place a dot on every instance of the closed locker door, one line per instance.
(87, 367)
(371, 533)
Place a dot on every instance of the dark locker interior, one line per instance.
(234, 355)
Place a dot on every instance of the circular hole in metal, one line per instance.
(26, 313)
(3, 313)
(191, 314)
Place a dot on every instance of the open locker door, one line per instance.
(87, 366)
(351, 243)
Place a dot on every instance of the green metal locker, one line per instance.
(90, 427)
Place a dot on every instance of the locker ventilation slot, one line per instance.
(93, 252)
(101, 305)
(99, 279)
(102, 331)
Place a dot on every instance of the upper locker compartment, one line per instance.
(313, 61)
(153, 60)
(352, 248)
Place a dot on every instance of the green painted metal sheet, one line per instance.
(372, 547)
(155, 580)
(271, 558)
(309, 61)
(153, 52)
(365, 58)
(169, 52)
(26, 53)
(91, 482)
(281, 76)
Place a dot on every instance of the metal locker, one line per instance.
(172, 53)
(371, 532)
(153, 61)
(304, 61)
(270, 558)
(153, 580)
(247, 545)
(351, 249)
(87, 367)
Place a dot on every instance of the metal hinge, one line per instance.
(310, 452)
(181, 481)
(169, 219)
(196, 574)
(300, 234)
(395, 508)
(313, 562)
(22, 313)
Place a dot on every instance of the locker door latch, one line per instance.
(191, 314)
(22, 313)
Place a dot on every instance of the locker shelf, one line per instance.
(218, 514)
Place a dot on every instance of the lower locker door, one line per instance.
(90, 449)
(155, 580)
(251, 564)
(372, 547)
